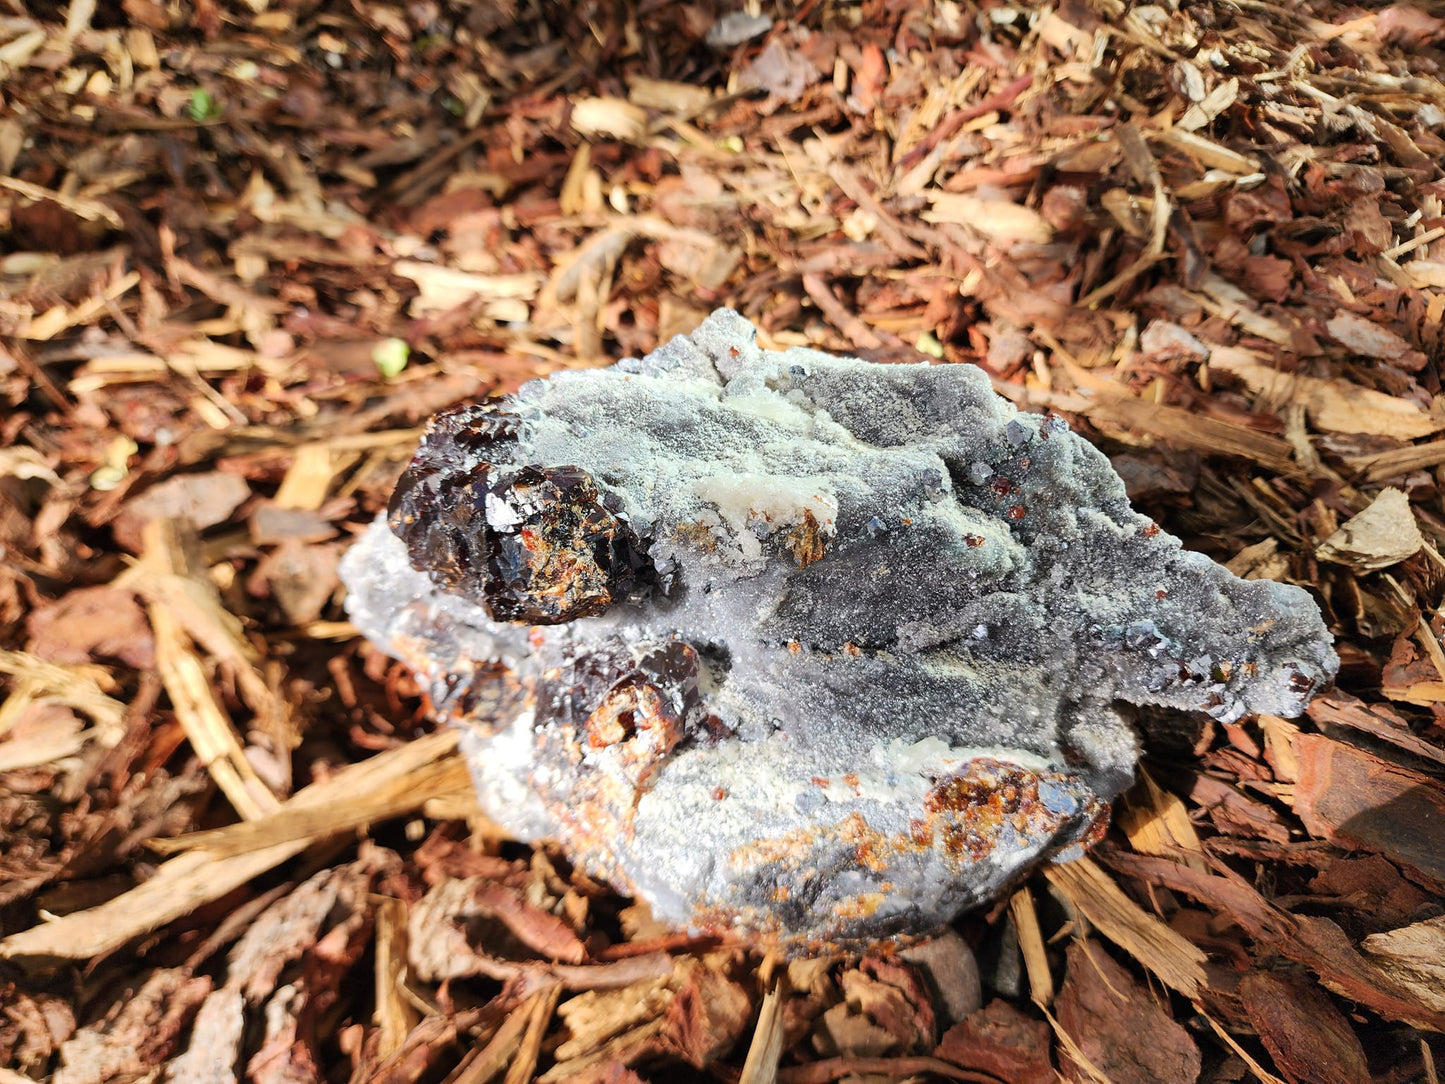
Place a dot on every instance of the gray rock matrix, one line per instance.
(869, 657)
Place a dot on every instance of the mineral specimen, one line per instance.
(813, 648)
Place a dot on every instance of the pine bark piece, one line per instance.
(1358, 801)
(1304, 1031)
(1315, 942)
(1414, 956)
(1382, 535)
(1001, 1040)
(142, 1035)
(91, 623)
(203, 499)
(1119, 1026)
(809, 648)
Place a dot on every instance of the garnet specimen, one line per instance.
(534, 544)
(807, 647)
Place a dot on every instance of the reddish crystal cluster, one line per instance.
(534, 544)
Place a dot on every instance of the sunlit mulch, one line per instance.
(251, 246)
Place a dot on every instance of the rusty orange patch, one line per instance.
(806, 542)
(971, 810)
(636, 717)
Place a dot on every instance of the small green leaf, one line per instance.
(203, 106)
(104, 479)
(928, 344)
(391, 356)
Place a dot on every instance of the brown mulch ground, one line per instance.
(249, 247)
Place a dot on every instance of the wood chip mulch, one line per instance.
(249, 246)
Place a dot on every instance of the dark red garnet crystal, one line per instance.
(532, 544)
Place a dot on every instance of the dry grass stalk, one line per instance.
(487, 1062)
(309, 479)
(84, 688)
(1176, 962)
(761, 1066)
(189, 880)
(204, 720)
(301, 818)
(211, 733)
(542, 1005)
(1261, 1074)
(1031, 944)
(1092, 1073)
(1156, 822)
(395, 1015)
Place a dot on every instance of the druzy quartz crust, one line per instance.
(811, 648)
